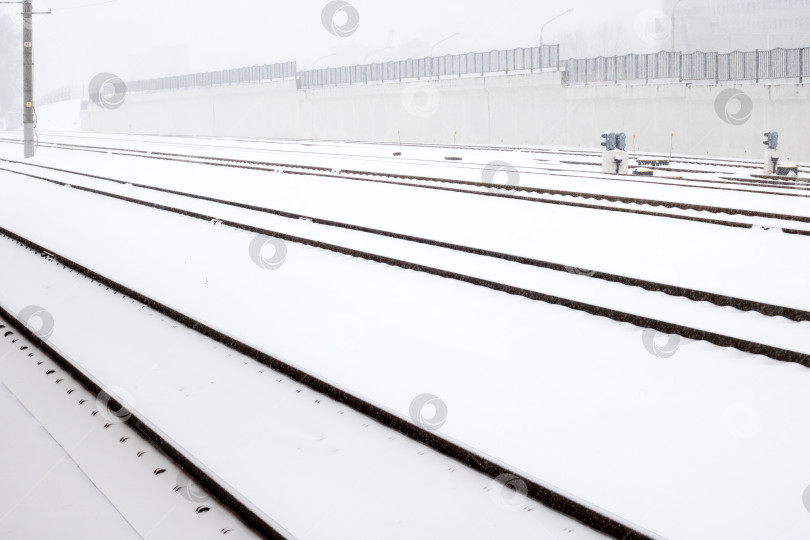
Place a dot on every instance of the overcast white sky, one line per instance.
(149, 38)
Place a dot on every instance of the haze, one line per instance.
(150, 38)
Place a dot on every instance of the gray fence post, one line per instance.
(647, 68)
(717, 69)
(615, 70)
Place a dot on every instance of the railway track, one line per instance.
(225, 495)
(490, 190)
(694, 160)
(720, 340)
(672, 290)
(242, 508)
(494, 148)
(788, 183)
(784, 181)
(548, 497)
(531, 150)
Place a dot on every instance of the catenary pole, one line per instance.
(28, 79)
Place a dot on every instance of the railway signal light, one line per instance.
(621, 140)
(771, 139)
(610, 140)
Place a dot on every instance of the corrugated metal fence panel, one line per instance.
(761, 65)
(784, 63)
(592, 69)
(751, 65)
(636, 66)
(502, 61)
(441, 66)
(456, 66)
(697, 66)
(573, 71)
(596, 69)
(511, 61)
(736, 63)
(723, 67)
(229, 76)
(66, 93)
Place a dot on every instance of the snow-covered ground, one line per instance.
(776, 331)
(284, 447)
(704, 443)
(44, 493)
(546, 171)
(698, 256)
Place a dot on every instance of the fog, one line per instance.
(150, 38)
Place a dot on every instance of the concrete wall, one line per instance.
(515, 109)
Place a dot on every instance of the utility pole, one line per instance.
(28, 79)
(28, 74)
